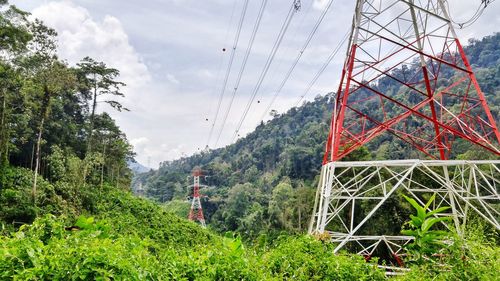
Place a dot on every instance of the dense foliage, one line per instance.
(122, 237)
(270, 175)
(118, 236)
(48, 117)
(66, 212)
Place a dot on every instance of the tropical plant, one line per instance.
(427, 242)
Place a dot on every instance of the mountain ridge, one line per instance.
(288, 149)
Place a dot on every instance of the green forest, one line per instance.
(70, 208)
(270, 176)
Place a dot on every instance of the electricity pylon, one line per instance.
(405, 74)
(196, 211)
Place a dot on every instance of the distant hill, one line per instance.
(136, 167)
(288, 150)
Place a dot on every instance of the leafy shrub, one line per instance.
(472, 258)
(138, 216)
(46, 251)
(427, 241)
(304, 258)
(16, 204)
(136, 240)
(122, 237)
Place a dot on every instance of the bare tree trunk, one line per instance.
(112, 175)
(2, 127)
(103, 162)
(4, 144)
(32, 156)
(300, 218)
(44, 113)
(92, 117)
(91, 130)
(117, 176)
(37, 159)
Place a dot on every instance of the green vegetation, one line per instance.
(271, 175)
(48, 121)
(474, 257)
(427, 241)
(66, 211)
(124, 237)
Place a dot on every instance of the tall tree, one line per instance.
(47, 78)
(13, 30)
(281, 205)
(13, 39)
(98, 80)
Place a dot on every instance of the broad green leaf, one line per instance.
(416, 221)
(409, 232)
(428, 223)
(437, 211)
(430, 201)
(420, 210)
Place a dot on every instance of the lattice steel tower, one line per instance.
(196, 211)
(405, 74)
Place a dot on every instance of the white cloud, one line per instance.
(320, 4)
(176, 87)
(80, 35)
(171, 78)
(139, 141)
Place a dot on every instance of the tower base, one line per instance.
(353, 196)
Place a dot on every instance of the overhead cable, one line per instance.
(269, 61)
(242, 69)
(477, 14)
(323, 68)
(228, 70)
(299, 56)
(221, 60)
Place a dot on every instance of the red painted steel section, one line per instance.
(196, 211)
(439, 112)
(478, 90)
(338, 124)
(433, 110)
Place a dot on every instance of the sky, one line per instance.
(170, 55)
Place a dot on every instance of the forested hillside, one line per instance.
(67, 211)
(269, 176)
(51, 120)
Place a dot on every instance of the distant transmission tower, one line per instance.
(196, 212)
(405, 74)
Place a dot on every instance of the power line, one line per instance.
(243, 65)
(295, 33)
(479, 12)
(221, 60)
(228, 71)
(299, 56)
(270, 59)
(323, 68)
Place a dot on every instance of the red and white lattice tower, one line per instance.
(196, 211)
(405, 74)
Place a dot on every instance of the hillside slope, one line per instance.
(104, 233)
(288, 150)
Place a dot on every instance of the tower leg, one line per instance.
(461, 185)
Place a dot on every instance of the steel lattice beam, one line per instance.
(411, 45)
(464, 185)
(388, 36)
(196, 211)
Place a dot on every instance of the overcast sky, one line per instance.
(169, 53)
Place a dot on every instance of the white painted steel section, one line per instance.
(461, 184)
